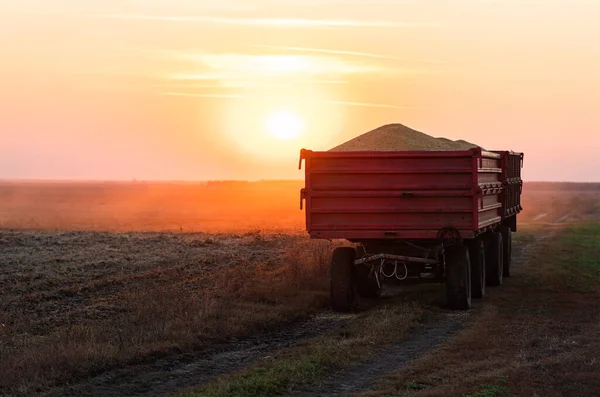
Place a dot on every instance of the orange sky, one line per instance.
(181, 89)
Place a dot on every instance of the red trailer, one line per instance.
(415, 216)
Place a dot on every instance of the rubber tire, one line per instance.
(343, 294)
(506, 249)
(458, 278)
(366, 286)
(477, 259)
(494, 260)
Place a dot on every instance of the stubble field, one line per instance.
(105, 281)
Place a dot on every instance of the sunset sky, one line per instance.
(232, 89)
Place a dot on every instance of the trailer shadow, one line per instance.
(165, 375)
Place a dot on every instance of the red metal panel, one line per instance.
(490, 183)
(392, 203)
(356, 235)
(389, 220)
(368, 195)
(387, 181)
(512, 163)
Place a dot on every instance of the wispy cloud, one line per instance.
(238, 69)
(569, 3)
(341, 52)
(290, 99)
(265, 22)
(270, 65)
(225, 83)
(213, 5)
(194, 95)
(203, 76)
(368, 104)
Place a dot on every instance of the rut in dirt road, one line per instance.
(365, 374)
(166, 375)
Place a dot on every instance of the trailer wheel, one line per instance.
(477, 258)
(458, 278)
(494, 260)
(366, 286)
(342, 286)
(506, 249)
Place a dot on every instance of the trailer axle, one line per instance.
(402, 258)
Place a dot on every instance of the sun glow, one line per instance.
(284, 125)
(267, 125)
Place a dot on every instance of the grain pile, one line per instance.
(394, 137)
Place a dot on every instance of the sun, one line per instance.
(284, 125)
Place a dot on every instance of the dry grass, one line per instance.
(66, 320)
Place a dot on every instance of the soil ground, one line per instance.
(115, 300)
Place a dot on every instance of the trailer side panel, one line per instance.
(402, 195)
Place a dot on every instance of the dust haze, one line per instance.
(223, 206)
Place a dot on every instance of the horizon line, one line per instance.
(135, 180)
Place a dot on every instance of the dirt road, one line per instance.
(424, 340)
(364, 374)
(166, 375)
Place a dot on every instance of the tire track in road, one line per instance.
(426, 338)
(169, 374)
(365, 374)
